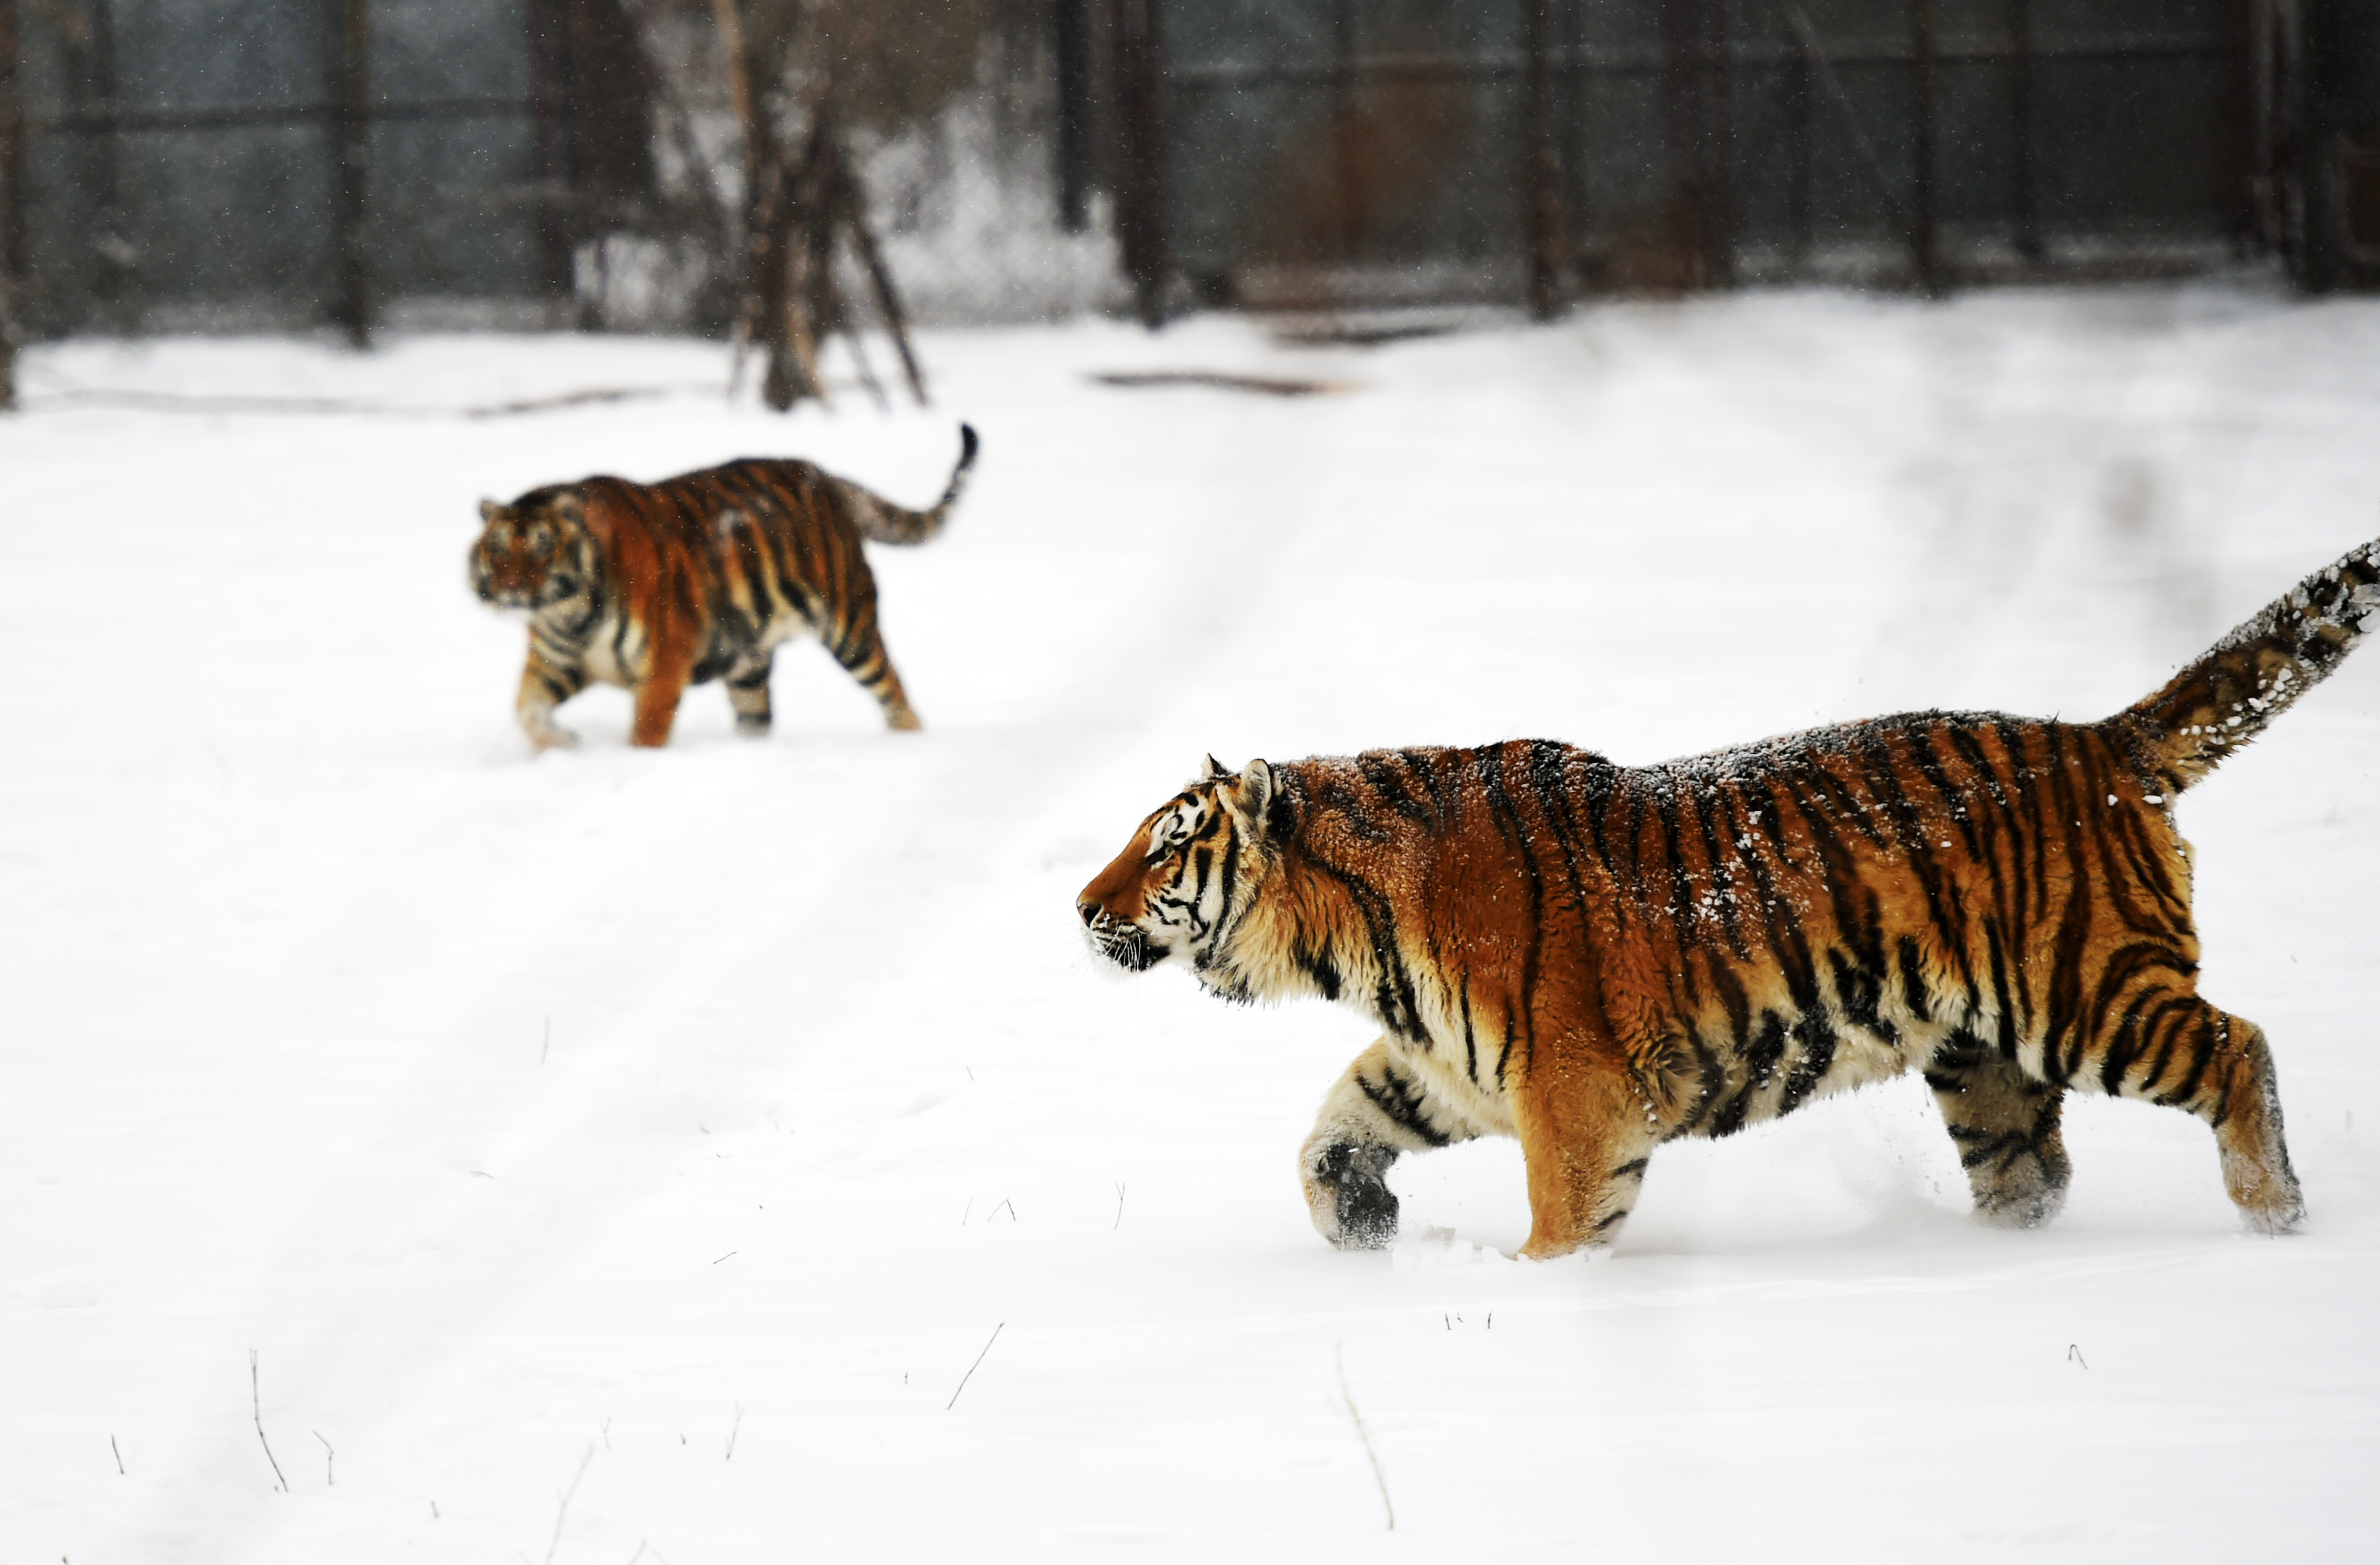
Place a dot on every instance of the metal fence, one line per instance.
(1338, 150)
(288, 159)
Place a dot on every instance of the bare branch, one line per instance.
(971, 1368)
(256, 1403)
(1347, 1398)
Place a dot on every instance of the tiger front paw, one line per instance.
(551, 736)
(1347, 1192)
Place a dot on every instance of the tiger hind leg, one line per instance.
(1378, 1110)
(859, 648)
(2005, 1124)
(2185, 1053)
(1586, 1137)
(747, 692)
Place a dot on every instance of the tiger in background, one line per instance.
(1597, 959)
(657, 587)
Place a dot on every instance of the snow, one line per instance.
(708, 1110)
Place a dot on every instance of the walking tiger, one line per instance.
(657, 587)
(1597, 959)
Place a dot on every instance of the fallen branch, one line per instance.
(1347, 1399)
(330, 1459)
(971, 1368)
(563, 1513)
(1270, 385)
(256, 1403)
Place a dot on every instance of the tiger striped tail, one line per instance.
(2253, 675)
(883, 522)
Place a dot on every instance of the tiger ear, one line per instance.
(1215, 770)
(490, 510)
(1255, 788)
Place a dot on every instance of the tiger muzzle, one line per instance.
(1120, 941)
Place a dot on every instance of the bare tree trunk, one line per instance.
(773, 301)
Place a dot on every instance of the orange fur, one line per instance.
(1597, 959)
(699, 577)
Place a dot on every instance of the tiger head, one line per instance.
(531, 553)
(1187, 880)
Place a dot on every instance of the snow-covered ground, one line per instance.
(613, 1151)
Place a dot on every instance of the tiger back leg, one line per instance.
(747, 692)
(1379, 1109)
(2172, 1047)
(2006, 1127)
(1586, 1136)
(858, 645)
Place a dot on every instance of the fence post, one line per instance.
(12, 211)
(1072, 22)
(1925, 238)
(351, 131)
(2021, 112)
(548, 96)
(1542, 171)
(1140, 205)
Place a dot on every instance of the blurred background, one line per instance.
(784, 168)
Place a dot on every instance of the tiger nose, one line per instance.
(1089, 909)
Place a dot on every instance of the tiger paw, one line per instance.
(1351, 1203)
(551, 737)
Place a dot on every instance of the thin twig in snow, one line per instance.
(120, 1456)
(563, 1513)
(732, 1429)
(1348, 1399)
(1119, 1221)
(968, 1213)
(2074, 1356)
(971, 1368)
(256, 1403)
(330, 1459)
(995, 1211)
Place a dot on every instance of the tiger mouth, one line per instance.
(1126, 945)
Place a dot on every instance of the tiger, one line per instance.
(1597, 959)
(703, 576)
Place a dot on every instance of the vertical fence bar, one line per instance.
(1345, 205)
(1682, 224)
(1797, 188)
(1541, 171)
(2021, 112)
(1140, 207)
(1717, 79)
(2235, 160)
(351, 130)
(549, 77)
(1072, 25)
(1925, 238)
(12, 201)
